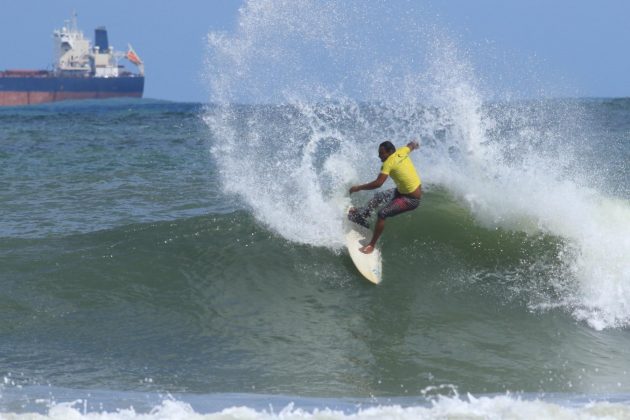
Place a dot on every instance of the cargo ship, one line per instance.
(79, 71)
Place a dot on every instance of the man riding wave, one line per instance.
(405, 197)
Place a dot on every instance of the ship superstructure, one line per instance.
(80, 71)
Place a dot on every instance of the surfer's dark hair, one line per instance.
(388, 146)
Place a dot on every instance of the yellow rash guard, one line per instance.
(400, 167)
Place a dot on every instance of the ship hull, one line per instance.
(26, 90)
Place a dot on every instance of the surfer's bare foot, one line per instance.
(368, 249)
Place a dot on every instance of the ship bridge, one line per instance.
(75, 55)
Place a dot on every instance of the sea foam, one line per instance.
(468, 407)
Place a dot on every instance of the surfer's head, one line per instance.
(385, 149)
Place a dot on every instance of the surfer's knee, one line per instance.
(382, 214)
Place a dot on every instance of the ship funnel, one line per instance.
(100, 39)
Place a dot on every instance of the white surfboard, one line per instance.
(369, 265)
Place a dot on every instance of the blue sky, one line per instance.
(584, 45)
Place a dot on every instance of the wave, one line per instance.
(514, 165)
(441, 222)
(180, 262)
(220, 298)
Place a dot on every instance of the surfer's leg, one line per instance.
(378, 199)
(378, 230)
(399, 204)
(362, 214)
(354, 215)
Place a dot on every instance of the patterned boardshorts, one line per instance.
(396, 203)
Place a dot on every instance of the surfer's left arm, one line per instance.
(380, 180)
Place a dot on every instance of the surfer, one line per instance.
(405, 197)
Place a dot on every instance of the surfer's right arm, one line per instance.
(380, 180)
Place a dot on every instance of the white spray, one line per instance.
(291, 163)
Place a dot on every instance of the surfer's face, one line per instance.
(382, 154)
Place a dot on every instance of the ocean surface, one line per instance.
(150, 265)
(175, 260)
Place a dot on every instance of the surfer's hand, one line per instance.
(354, 188)
(413, 145)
